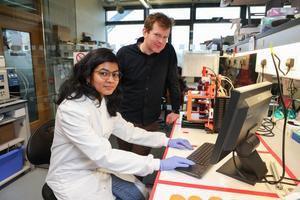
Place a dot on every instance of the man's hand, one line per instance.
(171, 118)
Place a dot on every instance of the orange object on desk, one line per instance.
(177, 197)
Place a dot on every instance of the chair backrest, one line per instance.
(39, 144)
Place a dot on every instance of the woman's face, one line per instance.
(105, 78)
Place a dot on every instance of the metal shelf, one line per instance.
(11, 143)
(7, 120)
(286, 33)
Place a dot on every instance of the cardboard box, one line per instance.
(62, 33)
(7, 133)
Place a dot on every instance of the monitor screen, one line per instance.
(247, 107)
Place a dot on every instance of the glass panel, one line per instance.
(180, 41)
(115, 34)
(18, 58)
(209, 31)
(257, 12)
(226, 13)
(59, 53)
(127, 15)
(176, 13)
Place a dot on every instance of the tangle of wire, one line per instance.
(263, 74)
(292, 90)
(282, 177)
(278, 65)
(266, 128)
(225, 78)
(244, 175)
(280, 180)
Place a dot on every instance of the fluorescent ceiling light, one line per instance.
(145, 4)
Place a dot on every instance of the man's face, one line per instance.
(156, 39)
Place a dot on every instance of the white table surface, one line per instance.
(213, 183)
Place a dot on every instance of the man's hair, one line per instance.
(163, 21)
(77, 85)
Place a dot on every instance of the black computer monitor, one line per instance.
(247, 107)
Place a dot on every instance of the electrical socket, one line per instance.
(263, 63)
(290, 63)
(285, 52)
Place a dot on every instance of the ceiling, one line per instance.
(108, 3)
(154, 2)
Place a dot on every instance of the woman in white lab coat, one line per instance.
(83, 161)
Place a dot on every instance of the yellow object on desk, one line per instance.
(215, 198)
(177, 197)
(194, 197)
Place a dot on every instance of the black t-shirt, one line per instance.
(145, 79)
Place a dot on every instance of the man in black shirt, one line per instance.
(149, 67)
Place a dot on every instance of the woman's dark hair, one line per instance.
(77, 85)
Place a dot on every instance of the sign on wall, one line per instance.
(77, 56)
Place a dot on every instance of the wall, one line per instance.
(90, 17)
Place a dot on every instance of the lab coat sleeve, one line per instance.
(76, 127)
(126, 131)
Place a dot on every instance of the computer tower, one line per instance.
(221, 104)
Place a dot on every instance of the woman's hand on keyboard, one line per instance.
(174, 162)
(180, 143)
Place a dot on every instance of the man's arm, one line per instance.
(173, 87)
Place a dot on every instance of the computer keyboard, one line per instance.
(201, 156)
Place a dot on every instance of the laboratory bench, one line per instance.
(215, 184)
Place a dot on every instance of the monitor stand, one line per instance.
(256, 168)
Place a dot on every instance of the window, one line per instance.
(17, 53)
(176, 13)
(127, 15)
(225, 13)
(180, 41)
(117, 36)
(257, 12)
(209, 31)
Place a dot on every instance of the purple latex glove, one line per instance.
(174, 162)
(180, 143)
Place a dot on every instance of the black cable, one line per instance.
(236, 167)
(266, 128)
(275, 182)
(277, 66)
(292, 89)
(284, 124)
(287, 178)
(298, 109)
(263, 74)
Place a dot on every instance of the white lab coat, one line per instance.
(82, 154)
